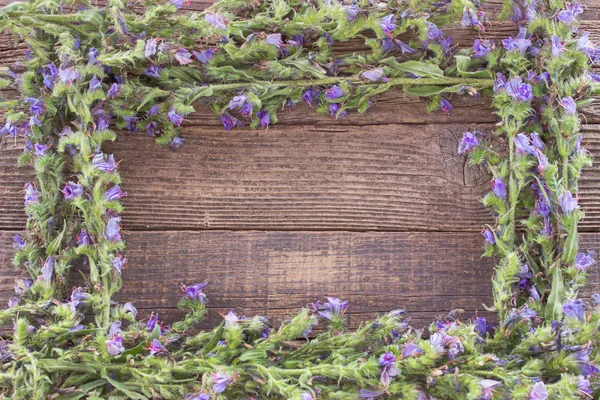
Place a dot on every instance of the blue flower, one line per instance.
(177, 142)
(499, 188)
(113, 91)
(567, 202)
(68, 75)
(194, 292)
(95, 83)
(229, 121)
(153, 71)
(518, 90)
(216, 20)
(488, 235)
(204, 56)
(49, 72)
(274, 39)
(264, 118)
(569, 105)
(558, 46)
(47, 270)
(93, 54)
(175, 118)
(83, 238)
(130, 309)
(334, 92)
(584, 261)
(114, 193)
(113, 229)
(375, 75)
(410, 350)
(482, 48)
(523, 145)
(151, 324)
(183, 56)
(468, 142)
(40, 149)
(574, 309)
(19, 243)
(72, 190)
(150, 48)
(156, 348)
(446, 106)
(388, 24)
(32, 195)
(114, 346)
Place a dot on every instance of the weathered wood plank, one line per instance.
(275, 273)
(300, 178)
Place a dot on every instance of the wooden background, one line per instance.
(376, 209)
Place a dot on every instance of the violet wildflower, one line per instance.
(131, 123)
(333, 308)
(83, 238)
(231, 319)
(177, 3)
(151, 324)
(388, 24)
(369, 394)
(584, 261)
(334, 92)
(40, 149)
(47, 270)
(130, 309)
(152, 111)
(567, 202)
(114, 193)
(114, 346)
(387, 362)
(264, 118)
(574, 309)
(537, 141)
(229, 121)
(487, 388)
(153, 71)
(585, 45)
(518, 90)
(14, 301)
(538, 392)
(583, 385)
(177, 142)
(220, 381)
(334, 109)
(72, 190)
(156, 348)
(558, 46)
(77, 297)
(582, 358)
(542, 160)
(482, 48)
(118, 263)
(446, 106)
(49, 72)
(542, 208)
(175, 118)
(93, 54)
(274, 39)
(183, 56)
(523, 145)
(19, 243)
(108, 166)
(499, 188)
(306, 396)
(480, 324)
(411, 350)
(204, 56)
(310, 95)
(32, 195)
(216, 20)
(569, 105)
(375, 75)
(115, 328)
(68, 75)
(9, 128)
(488, 235)
(95, 83)
(36, 105)
(195, 293)
(113, 91)
(103, 122)
(150, 48)
(351, 12)
(468, 142)
(113, 228)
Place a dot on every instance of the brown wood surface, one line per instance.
(276, 219)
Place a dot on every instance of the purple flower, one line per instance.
(482, 48)
(152, 111)
(216, 20)
(72, 190)
(499, 188)
(112, 231)
(150, 48)
(114, 193)
(194, 292)
(519, 45)
(175, 118)
(220, 381)
(156, 347)
(585, 45)
(334, 92)
(9, 128)
(569, 105)
(567, 202)
(369, 394)
(487, 388)
(19, 243)
(68, 75)
(204, 56)
(153, 71)
(36, 105)
(542, 160)
(132, 123)
(129, 308)
(518, 90)
(411, 350)
(334, 307)
(40, 149)
(389, 368)
(83, 238)
(183, 56)
(583, 385)
(488, 235)
(537, 141)
(93, 54)
(14, 301)
(388, 24)
(566, 16)
(77, 297)
(114, 346)
(108, 166)
(229, 121)
(334, 108)
(151, 324)
(574, 309)
(523, 145)
(177, 142)
(351, 12)
(49, 72)
(584, 261)
(264, 118)
(468, 142)
(375, 75)
(446, 106)
(95, 83)
(306, 396)
(274, 39)
(558, 46)
(113, 91)
(480, 324)
(47, 270)
(310, 94)
(115, 328)
(177, 3)
(231, 319)
(118, 263)
(31, 194)
(538, 392)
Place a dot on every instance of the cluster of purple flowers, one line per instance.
(194, 292)
(389, 370)
(331, 309)
(468, 142)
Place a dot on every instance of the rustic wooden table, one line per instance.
(376, 209)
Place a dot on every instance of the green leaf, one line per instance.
(217, 335)
(51, 365)
(554, 305)
(431, 90)
(571, 243)
(420, 69)
(123, 388)
(151, 95)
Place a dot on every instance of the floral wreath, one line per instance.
(141, 66)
